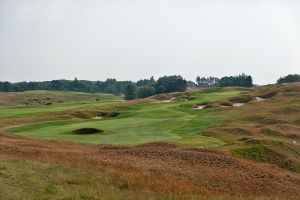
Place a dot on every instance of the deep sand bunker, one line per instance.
(88, 131)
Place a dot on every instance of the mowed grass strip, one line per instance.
(174, 122)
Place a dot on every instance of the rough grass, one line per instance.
(241, 99)
(40, 98)
(268, 154)
(22, 180)
(272, 134)
(35, 169)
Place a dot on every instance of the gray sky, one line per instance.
(132, 39)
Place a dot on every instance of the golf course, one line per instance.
(168, 146)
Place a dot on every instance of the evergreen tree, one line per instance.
(130, 92)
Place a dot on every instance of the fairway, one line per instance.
(175, 122)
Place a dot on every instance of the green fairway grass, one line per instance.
(12, 106)
(174, 122)
(12, 112)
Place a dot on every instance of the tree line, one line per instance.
(150, 87)
(140, 89)
(241, 80)
(111, 86)
(289, 78)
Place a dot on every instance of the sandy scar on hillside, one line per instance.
(259, 99)
(97, 117)
(238, 104)
(169, 100)
(200, 107)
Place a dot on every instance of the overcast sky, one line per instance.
(133, 39)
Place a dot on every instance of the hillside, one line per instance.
(219, 143)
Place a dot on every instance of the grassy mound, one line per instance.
(269, 94)
(226, 103)
(297, 122)
(288, 110)
(113, 114)
(237, 131)
(88, 131)
(270, 121)
(270, 132)
(241, 99)
(280, 154)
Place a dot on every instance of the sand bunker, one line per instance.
(87, 131)
(169, 100)
(225, 106)
(259, 99)
(200, 107)
(238, 104)
(97, 117)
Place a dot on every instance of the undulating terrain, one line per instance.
(218, 143)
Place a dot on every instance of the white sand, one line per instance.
(200, 107)
(225, 106)
(259, 99)
(238, 104)
(169, 100)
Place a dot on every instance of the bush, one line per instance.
(146, 91)
(130, 92)
(113, 114)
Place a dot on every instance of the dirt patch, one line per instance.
(83, 131)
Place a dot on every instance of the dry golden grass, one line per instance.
(160, 169)
(265, 131)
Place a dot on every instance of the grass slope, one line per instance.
(147, 122)
(25, 104)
